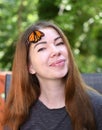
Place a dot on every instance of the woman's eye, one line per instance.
(41, 49)
(60, 43)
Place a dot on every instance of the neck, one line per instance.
(52, 94)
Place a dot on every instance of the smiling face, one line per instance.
(48, 57)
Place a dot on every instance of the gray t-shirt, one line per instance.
(43, 118)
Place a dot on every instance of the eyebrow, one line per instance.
(44, 42)
(39, 43)
(57, 38)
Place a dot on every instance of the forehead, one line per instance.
(49, 33)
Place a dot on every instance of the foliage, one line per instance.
(80, 20)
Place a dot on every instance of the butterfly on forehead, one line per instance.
(35, 36)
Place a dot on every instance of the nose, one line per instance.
(55, 51)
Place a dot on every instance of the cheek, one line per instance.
(38, 58)
(38, 61)
(42, 56)
(66, 55)
(65, 51)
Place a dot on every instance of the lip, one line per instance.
(58, 63)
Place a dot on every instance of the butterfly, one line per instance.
(35, 36)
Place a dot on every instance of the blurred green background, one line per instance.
(81, 20)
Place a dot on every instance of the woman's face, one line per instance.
(49, 56)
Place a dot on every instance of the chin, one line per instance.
(62, 75)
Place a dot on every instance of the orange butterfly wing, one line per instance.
(39, 33)
(31, 37)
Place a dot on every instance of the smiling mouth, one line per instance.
(58, 63)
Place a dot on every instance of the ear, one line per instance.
(31, 69)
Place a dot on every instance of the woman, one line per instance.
(47, 91)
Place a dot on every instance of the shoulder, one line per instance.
(96, 100)
(96, 97)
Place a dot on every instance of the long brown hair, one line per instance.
(24, 89)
